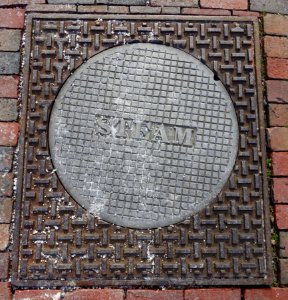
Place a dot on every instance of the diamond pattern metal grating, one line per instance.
(57, 243)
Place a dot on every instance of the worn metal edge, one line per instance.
(263, 145)
(104, 16)
(175, 283)
(21, 144)
(136, 283)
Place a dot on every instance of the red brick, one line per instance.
(280, 190)
(5, 210)
(38, 295)
(4, 265)
(154, 295)
(9, 86)
(276, 24)
(275, 46)
(266, 294)
(15, 2)
(281, 216)
(283, 247)
(9, 132)
(278, 114)
(179, 3)
(283, 264)
(4, 234)
(226, 4)
(277, 91)
(12, 17)
(213, 294)
(277, 68)
(276, 140)
(103, 294)
(280, 163)
(206, 12)
(245, 13)
(5, 291)
(6, 184)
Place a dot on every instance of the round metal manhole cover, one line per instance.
(143, 136)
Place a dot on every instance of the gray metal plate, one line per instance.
(143, 136)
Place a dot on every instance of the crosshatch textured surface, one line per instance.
(143, 136)
(59, 243)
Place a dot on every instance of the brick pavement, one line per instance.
(276, 53)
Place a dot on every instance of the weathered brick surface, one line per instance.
(280, 190)
(121, 2)
(10, 39)
(277, 68)
(275, 46)
(6, 159)
(213, 294)
(277, 142)
(245, 13)
(154, 295)
(9, 86)
(8, 109)
(4, 266)
(9, 133)
(206, 12)
(6, 185)
(15, 2)
(266, 294)
(113, 2)
(171, 10)
(275, 6)
(9, 63)
(277, 91)
(283, 246)
(5, 210)
(5, 291)
(103, 294)
(283, 264)
(280, 163)
(118, 9)
(12, 17)
(281, 216)
(145, 10)
(37, 295)
(278, 114)
(4, 234)
(93, 9)
(179, 3)
(51, 8)
(226, 4)
(72, 1)
(275, 24)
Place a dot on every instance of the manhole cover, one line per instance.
(143, 159)
(143, 136)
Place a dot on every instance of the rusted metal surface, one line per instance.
(59, 244)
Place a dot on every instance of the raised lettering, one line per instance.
(103, 127)
(184, 136)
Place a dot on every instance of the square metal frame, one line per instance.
(170, 266)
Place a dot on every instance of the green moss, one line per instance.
(269, 167)
(275, 237)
